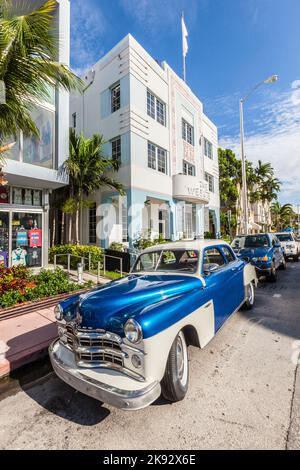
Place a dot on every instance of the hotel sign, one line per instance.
(190, 189)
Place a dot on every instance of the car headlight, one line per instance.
(133, 331)
(58, 312)
(263, 258)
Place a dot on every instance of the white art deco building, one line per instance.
(167, 147)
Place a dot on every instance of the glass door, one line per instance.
(4, 239)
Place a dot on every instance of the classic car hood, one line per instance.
(110, 306)
(254, 252)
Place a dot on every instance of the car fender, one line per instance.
(250, 275)
(157, 347)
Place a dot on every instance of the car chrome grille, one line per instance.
(94, 348)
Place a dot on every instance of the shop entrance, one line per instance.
(21, 239)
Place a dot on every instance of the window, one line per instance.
(213, 258)
(187, 132)
(150, 104)
(115, 96)
(208, 149)
(92, 224)
(189, 169)
(228, 254)
(250, 241)
(116, 149)
(157, 158)
(168, 261)
(74, 120)
(156, 108)
(40, 150)
(210, 179)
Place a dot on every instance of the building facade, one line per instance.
(31, 169)
(167, 148)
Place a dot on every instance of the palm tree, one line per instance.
(263, 170)
(281, 214)
(28, 65)
(87, 169)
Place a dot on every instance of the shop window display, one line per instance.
(4, 239)
(27, 238)
(4, 195)
(27, 197)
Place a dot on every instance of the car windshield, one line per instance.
(284, 237)
(167, 261)
(250, 241)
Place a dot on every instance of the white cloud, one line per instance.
(88, 26)
(277, 140)
(155, 15)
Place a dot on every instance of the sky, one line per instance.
(233, 45)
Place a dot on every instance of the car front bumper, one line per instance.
(130, 399)
(290, 252)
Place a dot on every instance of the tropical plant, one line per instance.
(28, 64)
(261, 184)
(87, 169)
(281, 215)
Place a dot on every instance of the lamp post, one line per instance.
(271, 79)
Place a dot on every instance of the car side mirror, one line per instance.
(277, 245)
(246, 259)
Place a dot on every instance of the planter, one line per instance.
(29, 307)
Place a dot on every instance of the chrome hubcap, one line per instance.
(180, 358)
(250, 294)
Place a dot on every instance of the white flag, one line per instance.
(185, 46)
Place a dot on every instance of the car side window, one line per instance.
(228, 254)
(213, 258)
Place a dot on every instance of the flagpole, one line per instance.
(183, 54)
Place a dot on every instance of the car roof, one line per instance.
(186, 245)
(255, 235)
(283, 233)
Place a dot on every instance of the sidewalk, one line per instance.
(26, 338)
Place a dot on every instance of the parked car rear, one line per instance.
(263, 250)
(290, 245)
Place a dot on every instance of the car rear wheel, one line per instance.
(273, 273)
(296, 258)
(250, 296)
(175, 382)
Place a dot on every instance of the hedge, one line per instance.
(79, 251)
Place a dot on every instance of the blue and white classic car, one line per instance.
(126, 342)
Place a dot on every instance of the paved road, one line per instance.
(244, 393)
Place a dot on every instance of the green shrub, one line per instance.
(116, 246)
(78, 251)
(143, 242)
(46, 284)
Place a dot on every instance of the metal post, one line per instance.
(244, 174)
(69, 262)
(90, 261)
(121, 266)
(55, 261)
(104, 264)
(98, 272)
(82, 262)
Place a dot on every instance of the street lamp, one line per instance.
(269, 80)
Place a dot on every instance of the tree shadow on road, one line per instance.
(277, 305)
(57, 397)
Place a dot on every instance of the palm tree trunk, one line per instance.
(53, 228)
(63, 215)
(77, 226)
(70, 223)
